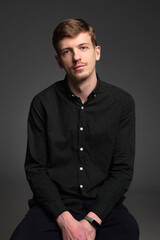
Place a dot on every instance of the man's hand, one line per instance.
(88, 226)
(71, 228)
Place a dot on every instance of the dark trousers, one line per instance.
(37, 225)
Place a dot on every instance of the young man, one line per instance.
(80, 151)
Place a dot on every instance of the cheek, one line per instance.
(67, 62)
(93, 59)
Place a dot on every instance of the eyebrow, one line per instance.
(84, 44)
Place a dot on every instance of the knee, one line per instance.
(13, 237)
(132, 230)
(19, 234)
(16, 236)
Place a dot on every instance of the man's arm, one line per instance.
(121, 169)
(44, 190)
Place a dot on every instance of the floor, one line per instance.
(145, 206)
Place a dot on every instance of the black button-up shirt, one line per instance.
(80, 151)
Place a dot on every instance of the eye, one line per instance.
(83, 47)
(65, 52)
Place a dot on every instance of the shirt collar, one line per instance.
(93, 94)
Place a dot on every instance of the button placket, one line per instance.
(81, 148)
(81, 129)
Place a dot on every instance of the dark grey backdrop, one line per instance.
(129, 34)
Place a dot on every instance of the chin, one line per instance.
(81, 77)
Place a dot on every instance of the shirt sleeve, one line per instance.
(44, 189)
(121, 169)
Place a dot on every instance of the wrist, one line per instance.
(63, 218)
(95, 217)
(92, 222)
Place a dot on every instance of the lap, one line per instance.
(37, 224)
(118, 225)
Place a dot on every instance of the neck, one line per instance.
(83, 88)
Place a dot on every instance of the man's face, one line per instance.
(78, 56)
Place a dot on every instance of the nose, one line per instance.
(76, 55)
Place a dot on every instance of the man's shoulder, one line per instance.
(115, 91)
(49, 92)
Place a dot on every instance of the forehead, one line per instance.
(81, 38)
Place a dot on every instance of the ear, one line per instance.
(98, 52)
(58, 60)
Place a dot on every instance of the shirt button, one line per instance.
(81, 128)
(81, 186)
(81, 149)
(95, 95)
(81, 168)
(82, 107)
(73, 95)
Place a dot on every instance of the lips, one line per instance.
(79, 67)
